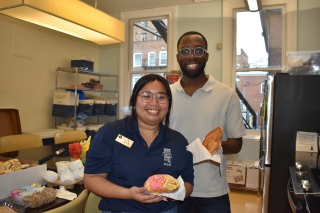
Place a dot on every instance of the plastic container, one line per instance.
(303, 63)
(10, 203)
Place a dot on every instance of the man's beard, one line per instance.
(194, 74)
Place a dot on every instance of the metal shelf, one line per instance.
(78, 71)
(84, 72)
(88, 89)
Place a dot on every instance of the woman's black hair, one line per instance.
(138, 86)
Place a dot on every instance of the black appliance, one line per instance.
(291, 103)
(303, 188)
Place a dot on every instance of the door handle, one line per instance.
(261, 166)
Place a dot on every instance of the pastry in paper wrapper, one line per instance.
(200, 153)
(212, 141)
(161, 183)
(178, 194)
(209, 149)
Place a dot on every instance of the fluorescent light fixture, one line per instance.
(72, 17)
(253, 5)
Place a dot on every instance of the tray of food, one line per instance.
(10, 206)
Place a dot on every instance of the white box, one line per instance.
(21, 178)
(253, 176)
(236, 174)
(67, 98)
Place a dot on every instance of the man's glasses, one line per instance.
(198, 51)
(147, 97)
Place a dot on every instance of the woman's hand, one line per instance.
(139, 194)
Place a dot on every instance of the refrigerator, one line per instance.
(291, 103)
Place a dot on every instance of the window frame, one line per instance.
(289, 33)
(126, 53)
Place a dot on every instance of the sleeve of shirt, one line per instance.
(187, 173)
(99, 155)
(234, 123)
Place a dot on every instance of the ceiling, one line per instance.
(117, 6)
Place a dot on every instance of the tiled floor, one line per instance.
(243, 201)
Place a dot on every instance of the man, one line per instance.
(200, 104)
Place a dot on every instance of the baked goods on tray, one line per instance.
(212, 141)
(36, 194)
(161, 183)
(13, 165)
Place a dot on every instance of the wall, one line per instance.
(308, 25)
(29, 56)
(205, 18)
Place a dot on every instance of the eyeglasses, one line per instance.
(198, 51)
(147, 97)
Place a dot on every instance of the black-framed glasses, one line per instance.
(147, 97)
(198, 51)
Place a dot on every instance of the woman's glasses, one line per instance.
(147, 97)
(198, 51)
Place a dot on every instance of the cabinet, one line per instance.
(76, 72)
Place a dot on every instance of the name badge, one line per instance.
(124, 141)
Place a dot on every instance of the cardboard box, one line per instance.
(236, 174)
(18, 179)
(253, 176)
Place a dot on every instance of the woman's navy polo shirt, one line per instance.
(129, 167)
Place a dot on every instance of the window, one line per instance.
(143, 36)
(151, 59)
(158, 18)
(249, 89)
(260, 45)
(275, 40)
(134, 80)
(260, 40)
(163, 58)
(137, 59)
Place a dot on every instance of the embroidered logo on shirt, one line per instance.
(124, 141)
(167, 157)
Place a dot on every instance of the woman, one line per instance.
(124, 153)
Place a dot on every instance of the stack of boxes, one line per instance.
(243, 173)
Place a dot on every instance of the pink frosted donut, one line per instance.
(161, 183)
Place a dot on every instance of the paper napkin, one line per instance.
(65, 194)
(200, 153)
